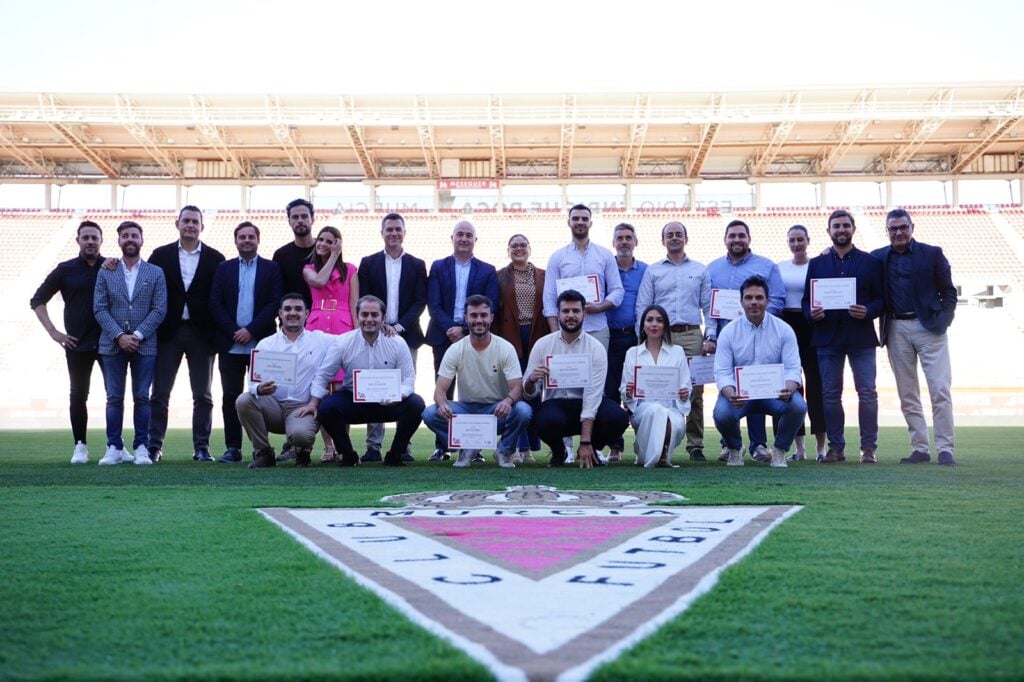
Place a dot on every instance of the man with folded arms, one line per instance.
(490, 382)
(757, 338)
(566, 412)
(366, 348)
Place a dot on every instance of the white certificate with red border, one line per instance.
(757, 382)
(473, 432)
(271, 365)
(702, 369)
(725, 304)
(585, 284)
(376, 385)
(834, 293)
(569, 370)
(656, 383)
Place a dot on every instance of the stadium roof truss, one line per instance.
(875, 133)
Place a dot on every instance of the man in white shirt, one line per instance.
(490, 382)
(359, 349)
(268, 407)
(573, 410)
(757, 338)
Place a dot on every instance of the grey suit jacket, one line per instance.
(117, 314)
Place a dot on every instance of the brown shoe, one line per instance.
(263, 459)
(867, 456)
(832, 456)
(302, 457)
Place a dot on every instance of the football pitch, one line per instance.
(889, 572)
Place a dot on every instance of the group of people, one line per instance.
(593, 343)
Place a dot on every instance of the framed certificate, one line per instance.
(376, 385)
(585, 284)
(571, 370)
(756, 382)
(834, 293)
(725, 304)
(702, 369)
(270, 365)
(473, 431)
(656, 383)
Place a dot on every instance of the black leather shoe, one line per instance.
(946, 459)
(557, 460)
(231, 455)
(202, 455)
(348, 459)
(407, 457)
(916, 457)
(371, 455)
(393, 459)
(156, 454)
(303, 457)
(697, 455)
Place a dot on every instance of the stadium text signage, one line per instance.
(468, 183)
(534, 582)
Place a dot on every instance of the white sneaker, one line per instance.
(465, 458)
(760, 454)
(570, 454)
(142, 455)
(504, 461)
(778, 459)
(114, 456)
(735, 458)
(81, 455)
(724, 456)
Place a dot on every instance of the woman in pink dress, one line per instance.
(334, 289)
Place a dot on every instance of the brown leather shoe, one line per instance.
(263, 459)
(302, 457)
(867, 456)
(832, 456)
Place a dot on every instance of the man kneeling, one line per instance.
(490, 382)
(757, 339)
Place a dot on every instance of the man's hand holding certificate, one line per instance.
(725, 304)
(473, 432)
(585, 284)
(376, 385)
(272, 366)
(834, 293)
(760, 382)
(570, 370)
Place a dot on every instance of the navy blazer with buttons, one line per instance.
(483, 279)
(412, 291)
(933, 290)
(224, 302)
(198, 295)
(838, 328)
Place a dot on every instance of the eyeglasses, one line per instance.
(898, 228)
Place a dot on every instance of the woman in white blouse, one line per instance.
(660, 425)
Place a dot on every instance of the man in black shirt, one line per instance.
(294, 255)
(75, 279)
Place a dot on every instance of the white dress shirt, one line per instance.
(555, 344)
(669, 356)
(309, 349)
(393, 272)
(569, 261)
(188, 261)
(741, 344)
(350, 351)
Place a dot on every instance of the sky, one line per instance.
(456, 46)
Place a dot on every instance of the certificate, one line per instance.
(585, 284)
(656, 383)
(834, 293)
(376, 385)
(756, 382)
(270, 365)
(571, 370)
(725, 304)
(473, 431)
(702, 369)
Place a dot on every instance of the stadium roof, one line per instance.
(899, 132)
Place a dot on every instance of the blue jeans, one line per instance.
(115, 372)
(790, 414)
(862, 365)
(511, 427)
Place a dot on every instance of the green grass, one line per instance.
(890, 572)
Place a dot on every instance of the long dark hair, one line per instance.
(666, 338)
(339, 264)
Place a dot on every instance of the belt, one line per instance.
(904, 316)
(622, 330)
(684, 327)
(329, 304)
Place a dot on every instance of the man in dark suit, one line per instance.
(921, 300)
(129, 302)
(246, 292)
(188, 265)
(838, 335)
(451, 281)
(400, 280)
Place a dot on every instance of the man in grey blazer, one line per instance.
(130, 302)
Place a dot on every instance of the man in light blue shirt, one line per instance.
(757, 338)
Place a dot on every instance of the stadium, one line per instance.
(182, 571)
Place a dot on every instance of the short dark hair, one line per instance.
(518, 234)
(478, 299)
(897, 213)
(624, 226)
(734, 223)
(190, 207)
(244, 224)
(754, 281)
(292, 295)
(88, 223)
(580, 207)
(127, 224)
(571, 295)
(298, 202)
(370, 298)
(840, 213)
(667, 336)
(799, 227)
(389, 216)
(675, 222)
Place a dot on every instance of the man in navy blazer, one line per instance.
(129, 303)
(243, 303)
(849, 333)
(451, 281)
(188, 265)
(921, 301)
(400, 280)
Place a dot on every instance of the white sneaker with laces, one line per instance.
(504, 461)
(81, 454)
(735, 458)
(465, 458)
(142, 455)
(760, 454)
(114, 455)
(778, 459)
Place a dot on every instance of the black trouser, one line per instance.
(338, 410)
(190, 342)
(233, 369)
(619, 341)
(80, 365)
(560, 417)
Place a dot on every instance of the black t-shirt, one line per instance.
(75, 280)
(292, 260)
